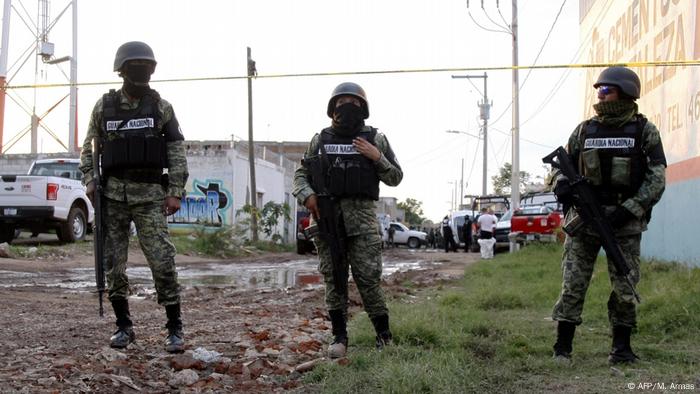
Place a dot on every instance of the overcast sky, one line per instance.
(209, 39)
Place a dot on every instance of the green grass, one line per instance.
(494, 334)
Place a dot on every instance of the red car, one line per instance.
(304, 244)
(535, 222)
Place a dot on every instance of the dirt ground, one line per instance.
(238, 340)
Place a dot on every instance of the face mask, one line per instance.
(348, 118)
(136, 78)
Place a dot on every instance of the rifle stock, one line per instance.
(333, 234)
(590, 210)
(98, 231)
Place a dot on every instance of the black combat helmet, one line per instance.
(133, 50)
(348, 89)
(622, 77)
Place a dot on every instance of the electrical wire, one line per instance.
(506, 27)
(566, 73)
(544, 43)
(521, 138)
(485, 28)
(639, 64)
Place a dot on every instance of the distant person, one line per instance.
(448, 235)
(133, 187)
(619, 152)
(391, 233)
(431, 238)
(339, 183)
(487, 224)
(467, 233)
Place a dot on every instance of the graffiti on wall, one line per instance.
(207, 204)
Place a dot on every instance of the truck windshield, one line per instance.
(64, 170)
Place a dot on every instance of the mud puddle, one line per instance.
(290, 274)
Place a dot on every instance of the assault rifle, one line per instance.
(99, 230)
(333, 233)
(589, 209)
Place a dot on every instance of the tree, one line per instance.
(413, 211)
(268, 217)
(501, 182)
(271, 214)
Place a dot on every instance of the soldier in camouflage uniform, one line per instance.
(139, 136)
(620, 154)
(345, 163)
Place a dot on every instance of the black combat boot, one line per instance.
(381, 327)
(339, 347)
(125, 332)
(565, 339)
(621, 349)
(175, 342)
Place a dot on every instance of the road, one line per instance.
(252, 324)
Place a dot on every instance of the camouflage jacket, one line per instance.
(137, 192)
(648, 194)
(358, 214)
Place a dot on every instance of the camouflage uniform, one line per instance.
(363, 244)
(127, 200)
(581, 251)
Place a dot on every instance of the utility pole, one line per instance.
(484, 114)
(3, 63)
(515, 175)
(461, 187)
(252, 72)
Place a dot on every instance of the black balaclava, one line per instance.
(348, 119)
(136, 78)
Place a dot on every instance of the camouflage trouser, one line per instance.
(580, 254)
(364, 256)
(155, 243)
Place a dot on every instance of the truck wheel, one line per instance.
(413, 243)
(74, 228)
(7, 234)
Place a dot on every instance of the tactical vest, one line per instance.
(341, 171)
(133, 138)
(613, 160)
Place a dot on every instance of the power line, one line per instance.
(566, 73)
(544, 43)
(505, 27)
(640, 64)
(523, 139)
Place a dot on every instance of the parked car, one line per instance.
(50, 197)
(535, 223)
(405, 236)
(503, 229)
(458, 218)
(498, 203)
(304, 243)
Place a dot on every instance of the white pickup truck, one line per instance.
(49, 197)
(405, 236)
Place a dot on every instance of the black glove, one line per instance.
(620, 217)
(563, 191)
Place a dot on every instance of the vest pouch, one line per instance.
(115, 154)
(369, 182)
(353, 179)
(155, 153)
(137, 149)
(315, 167)
(591, 167)
(620, 171)
(336, 179)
